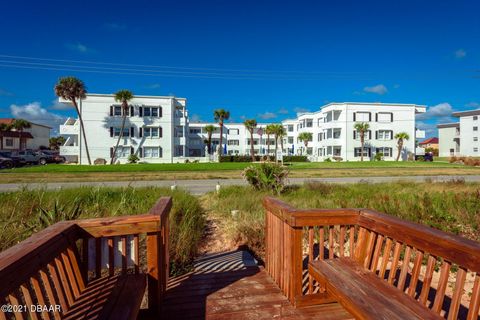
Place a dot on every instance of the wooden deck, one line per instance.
(231, 286)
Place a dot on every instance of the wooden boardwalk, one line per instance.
(231, 286)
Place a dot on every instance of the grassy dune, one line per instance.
(451, 206)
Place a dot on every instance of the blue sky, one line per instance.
(258, 59)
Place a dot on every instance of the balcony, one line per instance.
(420, 134)
(70, 127)
(69, 150)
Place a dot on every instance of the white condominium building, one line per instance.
(158, 130)
(461, 138)
(155, 129)
(334, 135)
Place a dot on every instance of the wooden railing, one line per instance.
(416, 259)
(55, 265)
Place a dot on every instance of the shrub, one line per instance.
(379, 156)
(267, 176)
(133, 158)
(327, 160)
(237, 158)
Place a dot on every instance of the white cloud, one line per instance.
(473, 104)
(441, 111)
(60, 106)
(114, 26)
(378, 89)
(460, 54)
(5, 93)
(282, 111)
(79, 47)
(300, 110)
(35, 113)
(430, 128)
(153, 86)
(267, 115)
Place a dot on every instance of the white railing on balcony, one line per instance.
(69, 150)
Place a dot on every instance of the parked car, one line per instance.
(6, 163)
(52, 156)
(17, 161)
(428, 156)
(32, 157)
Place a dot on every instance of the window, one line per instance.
(362, 117)
(475, 149)
(309, 123)
(150, 111)
(309, 150)
(387, 152)
(152, 152)
(290, 128)
(367, 135)
(475, 128)
(195, 130)
(290, 139)
(384, 135)
(152, 132)
(233, 142)
(123, 152)
(358, 151)
(320, 136)
(475, 118)
(126, 132)
(336, 134)
(178, 132)
(475, 138)
(117, 110)
(233, 131)
(384, 117)
(8, 142)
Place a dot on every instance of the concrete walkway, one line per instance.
(198, 187)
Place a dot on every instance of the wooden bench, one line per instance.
(375, 265)
(88, 269)
(363, 294)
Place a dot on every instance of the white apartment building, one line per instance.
(334, 136)
(36, 136)
(155, 129)
(158, 131)
(461, 138)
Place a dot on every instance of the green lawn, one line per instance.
(222, 166)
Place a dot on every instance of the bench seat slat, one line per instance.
(365, 295)
(117, 297)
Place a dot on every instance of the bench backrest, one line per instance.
(440, 270)
(55, 265)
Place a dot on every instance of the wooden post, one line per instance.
(157, 256)
(296, 263)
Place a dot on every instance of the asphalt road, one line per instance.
(198, 187)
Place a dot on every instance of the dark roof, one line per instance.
(7, 120)
(433, 140)
(16, 134)
(466, 113)
(448, 125)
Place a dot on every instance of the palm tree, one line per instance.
(220, 115)
(55, 142)
(73, 89)
(3, 128)
(305, 137)
(401, 137)
(269, 130)
(361, 128)
(122, 96)
(250, 125)
(209, 129)
(281, 134)
(20, 125)
(277, 130)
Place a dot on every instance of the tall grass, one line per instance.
(452, 206)
(25, 212)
